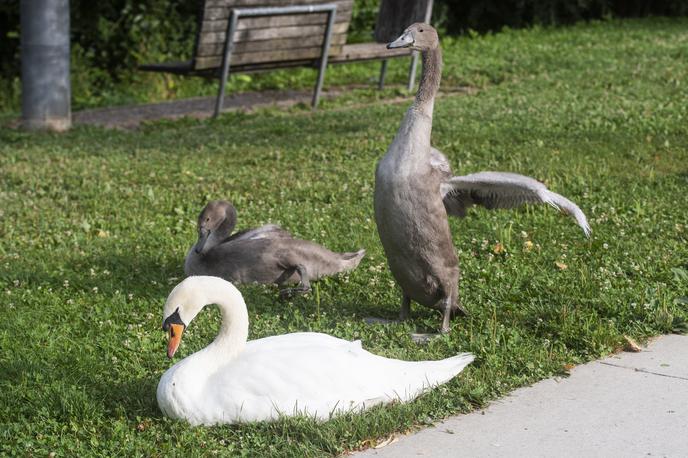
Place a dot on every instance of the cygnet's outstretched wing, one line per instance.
(504, 190)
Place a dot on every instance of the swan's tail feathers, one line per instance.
(349, 261)
(423, 376)
(457, 363)
(444, 370)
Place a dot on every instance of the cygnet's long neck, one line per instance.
(430, 81)
(223, 232)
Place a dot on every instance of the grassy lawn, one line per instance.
(95, 225)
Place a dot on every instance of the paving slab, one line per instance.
(666, 356)
(630, 404)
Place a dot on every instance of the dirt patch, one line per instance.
(131, 116)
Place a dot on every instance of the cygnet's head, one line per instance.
(215, 222)
(418, 36)
(187, 299)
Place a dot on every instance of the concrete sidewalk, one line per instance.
(630, 404)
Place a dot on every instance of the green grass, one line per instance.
(95, 224)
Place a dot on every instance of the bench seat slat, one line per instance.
(367, 51)
(178, 68)
(185, 67)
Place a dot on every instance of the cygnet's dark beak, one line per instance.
(203, 235)
(403, 41)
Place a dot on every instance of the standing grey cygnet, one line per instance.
(268, 254)
(415, 191)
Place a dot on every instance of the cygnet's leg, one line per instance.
(304, 285)
(445, 306)
(450, 307)
(403, 313)
(458, 310)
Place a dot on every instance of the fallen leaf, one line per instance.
(384, 443)
(631, 345)
(498, 248)
(561, 265)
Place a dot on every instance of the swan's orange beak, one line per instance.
(175, 339)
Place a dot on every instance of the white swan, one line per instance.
(232, 381)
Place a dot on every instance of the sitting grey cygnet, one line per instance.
(268, 254)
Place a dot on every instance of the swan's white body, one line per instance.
(313, 374)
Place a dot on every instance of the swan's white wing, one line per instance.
(317, 374)
(504, 190)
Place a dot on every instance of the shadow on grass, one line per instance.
(133, 273)
(66, 386)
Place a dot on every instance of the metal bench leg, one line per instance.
(383, 73)
(226, 57)
(323, 59)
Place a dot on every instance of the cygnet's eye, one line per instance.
(420, 30)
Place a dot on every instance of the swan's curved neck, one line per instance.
(430, 81)
(231, 339)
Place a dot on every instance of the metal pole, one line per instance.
(226, 56)
(414, 58)
(323, 58)
(46, 88)
(383, 74)
(412, 71)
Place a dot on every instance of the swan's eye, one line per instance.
(420, 30)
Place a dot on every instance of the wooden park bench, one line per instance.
(258, 35)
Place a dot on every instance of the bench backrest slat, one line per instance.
(261, 40)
